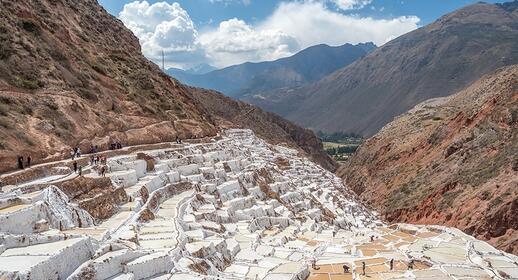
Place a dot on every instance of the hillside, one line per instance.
(449, 161)
(308, 65)
(434, 61)
(73, 75)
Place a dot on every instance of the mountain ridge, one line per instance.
(307, 65)
(433, 61)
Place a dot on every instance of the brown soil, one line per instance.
(451, 161)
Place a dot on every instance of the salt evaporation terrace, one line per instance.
(233, 208)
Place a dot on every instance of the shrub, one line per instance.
(4, 109)
(87, 94)
(99, 69)
(5, 48)
(6, 123)
(30, 26)
(27, 82)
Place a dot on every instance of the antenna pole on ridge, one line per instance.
(163, 61)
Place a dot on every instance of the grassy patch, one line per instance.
(343, 149)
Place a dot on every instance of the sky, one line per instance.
(227, 32)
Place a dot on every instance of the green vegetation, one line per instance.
(338, 137)
(340, 145)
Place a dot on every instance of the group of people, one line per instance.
(75, 153)
(346, 268)
(24, 164)
(77, 168)
(95, 160)
(115, 146)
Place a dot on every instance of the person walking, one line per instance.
(75, 166)
(80, 170)
(20, 162)
(391, 264)
(29, 161)
(411, 265)
(103, 171)
(363, 267)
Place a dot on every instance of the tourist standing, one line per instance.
(391, 264)
(363, 267)
(29, 161)
(75, 166)
(20, 162)
(411, 265)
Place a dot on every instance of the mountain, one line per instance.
(201, 69)
(196, 70)
(308, 65)
(434, 61)
(72, 75)
(450, 161)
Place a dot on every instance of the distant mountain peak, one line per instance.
(201, 69)
(301, 68)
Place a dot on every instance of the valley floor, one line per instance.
(233, 208)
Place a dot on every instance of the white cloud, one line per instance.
(234, 41)
(164, 27)
(291, 27)
(351, 4)
(313, 23)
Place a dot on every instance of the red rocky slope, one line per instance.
(450, 161)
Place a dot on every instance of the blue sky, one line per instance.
(226, 32)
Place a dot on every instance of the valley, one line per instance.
(319, 161)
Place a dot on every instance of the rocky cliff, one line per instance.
(73, 75)
(450, 161)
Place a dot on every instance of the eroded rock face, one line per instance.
(233, 208)
(97, 196)
(448, 161)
